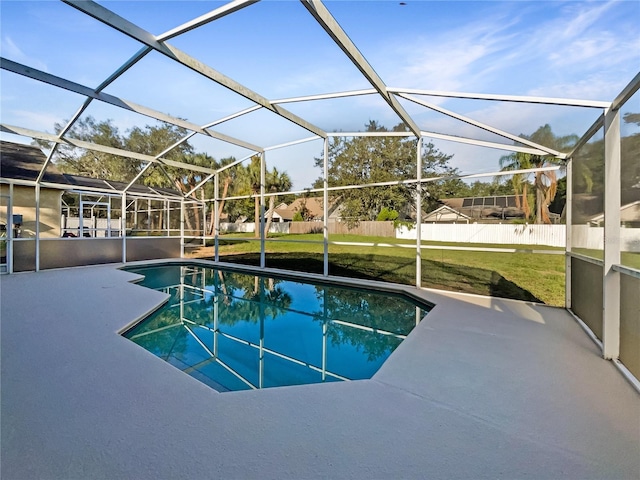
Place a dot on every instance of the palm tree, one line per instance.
(253, 179)
(276, 182)
(227, 176)
(545, 182)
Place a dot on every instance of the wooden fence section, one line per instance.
(375, 229)
(300, 228)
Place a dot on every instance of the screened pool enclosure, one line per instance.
(51, 220)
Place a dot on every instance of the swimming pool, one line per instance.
(238, 331)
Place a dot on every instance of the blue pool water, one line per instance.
(238, 331)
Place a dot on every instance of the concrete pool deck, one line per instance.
(482, 388)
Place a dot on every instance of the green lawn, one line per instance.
(521, 275)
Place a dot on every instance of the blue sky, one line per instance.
(572, 49)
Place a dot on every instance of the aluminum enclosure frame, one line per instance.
(391, 96)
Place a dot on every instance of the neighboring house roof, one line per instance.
(315, 206)
(628, 213)
(445, 214)
(24, 162)
(284, 213)
(281, 211)
(496, 206)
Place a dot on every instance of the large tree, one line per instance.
(149, 140)
(90, 163)
(242, 180)
(362, 160)
(544, 182)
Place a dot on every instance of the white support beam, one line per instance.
(182, 220)
(65, 84)
(200, 184)
(100, 148)
(113, 20)
(418, 213)
(504, 98)
(593, 129)
(37, 201)
(568, 236)
(223, 11)
(482, 143)
(326, 96)
(294, 142)
(325, 209)
(483, 126)
(317, 9)
(233, 164)
(115, 75)
(123, 226)
(61, 134)
(370, 134)
(137, 177)
(611, 280)
(263, 181)
(232, 116)
(632, 87)
(209, 125)
(216, 222)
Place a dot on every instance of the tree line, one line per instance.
(352, 161)
(154, 140)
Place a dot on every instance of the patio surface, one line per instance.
(482, 388)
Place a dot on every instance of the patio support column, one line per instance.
(182, 227)
(37, 198)
(418, 212)
(204, 218)
(166, 218)
(325, 214)
(263, 176)
(10, 231)
(216, 216)
(568, 221)
(261, 344)
(611, 280)
(123, 226)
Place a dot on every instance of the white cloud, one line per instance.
(525, 48)
(40, 121)
(598, 86)
(584, 17)
(451, 59)
(11, 51)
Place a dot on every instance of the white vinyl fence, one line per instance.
(509, 234)
(249, 227)
(583, 236)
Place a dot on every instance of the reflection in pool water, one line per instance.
(238, 331)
